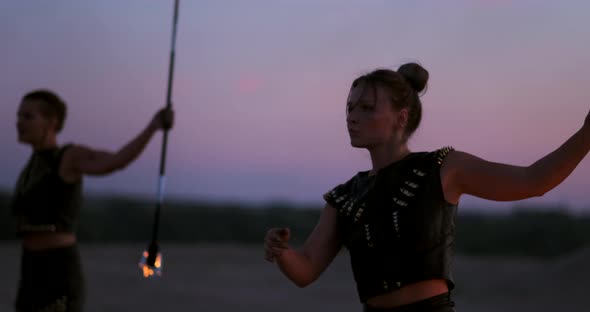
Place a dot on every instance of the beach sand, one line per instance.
(225, 277)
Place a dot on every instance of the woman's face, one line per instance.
(32, 126)
(371, 119)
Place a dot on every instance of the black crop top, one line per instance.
(43, 201)
(396, 224)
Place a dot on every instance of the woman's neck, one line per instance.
(385, 155)
(47, 143)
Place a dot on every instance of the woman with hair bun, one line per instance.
(398, 219)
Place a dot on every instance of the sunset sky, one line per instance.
(260, 86)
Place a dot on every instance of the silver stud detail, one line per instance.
(396, 222)
(399, 202)
(339, 199)
(442, 153)
(358, 214)
(348, 206)
(411, 184)
(368, 235)
(419, 173)
(406, 192)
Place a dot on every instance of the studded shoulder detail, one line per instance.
(348, 199)
(442, 153)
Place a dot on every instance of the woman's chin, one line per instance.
(23, 140)
(356, 143)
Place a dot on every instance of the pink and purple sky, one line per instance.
(260, 86)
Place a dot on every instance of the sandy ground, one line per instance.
(236, 278)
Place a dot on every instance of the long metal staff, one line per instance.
(152, 259)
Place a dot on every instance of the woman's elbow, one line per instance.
(104, 170)
(118, 167)
(117, 163)
(302, 279)
(537, 185)
(540, 191)
(303, 282)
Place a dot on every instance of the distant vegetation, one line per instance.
(527, 232)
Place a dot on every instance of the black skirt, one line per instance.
(440, 303)
(51, 280)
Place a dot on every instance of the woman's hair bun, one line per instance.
(415, 75)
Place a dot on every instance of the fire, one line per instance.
(147, 272)
(151, 271)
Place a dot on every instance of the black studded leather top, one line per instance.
(43, 201)
(396, 224)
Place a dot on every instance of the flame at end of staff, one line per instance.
(148, 270)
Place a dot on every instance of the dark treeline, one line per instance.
(527, 232)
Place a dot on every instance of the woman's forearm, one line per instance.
(128, 153)
(296, 266)
(551, 170)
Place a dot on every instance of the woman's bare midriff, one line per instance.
(48, 240)
(409, 294)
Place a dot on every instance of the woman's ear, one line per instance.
(52, 123)
(402, 118)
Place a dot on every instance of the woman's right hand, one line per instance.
(163, 119)
(276, 242)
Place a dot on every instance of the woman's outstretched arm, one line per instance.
(463, 173)
(81, 160)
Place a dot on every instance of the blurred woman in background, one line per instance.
(48, 197)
